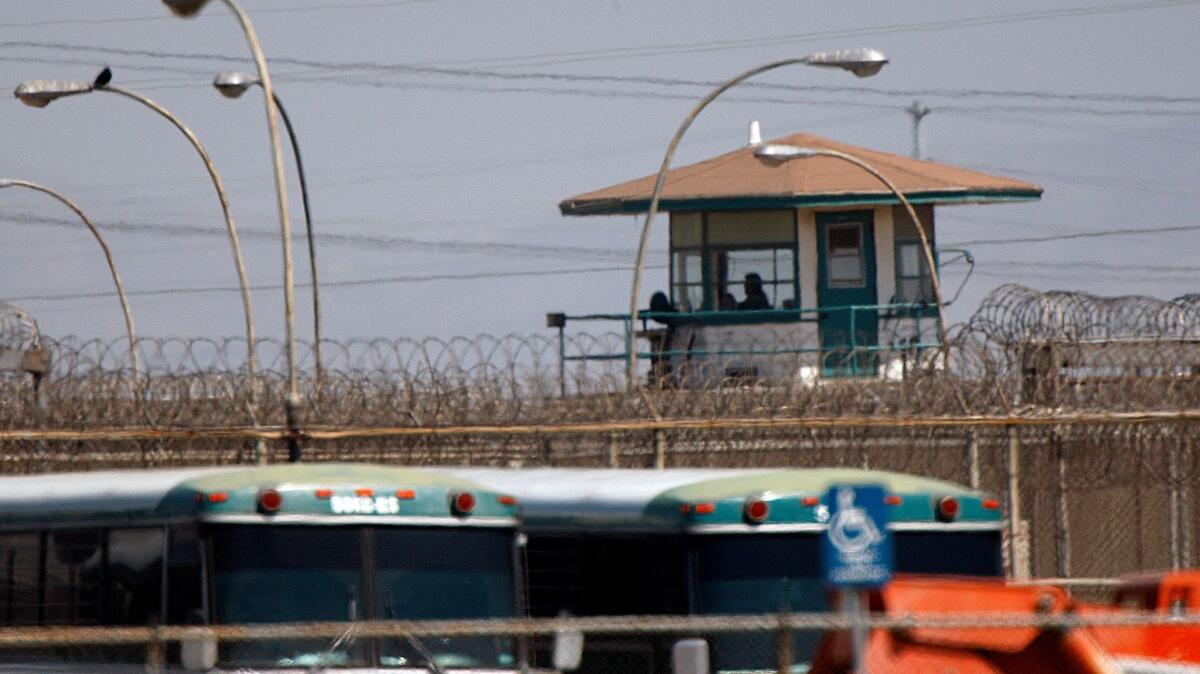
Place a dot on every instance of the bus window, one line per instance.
(134, 576)
(963, 553)
(445, 574)
(280, 574)
(19, 571)
(759, 574)
(185, 585)
(73, 576)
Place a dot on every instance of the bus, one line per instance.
(718, 541)
(287, 543)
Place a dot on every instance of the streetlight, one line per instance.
(863, 62)
(782, 153)
(130, 331)
(233, 85)
(40, 93)
(187, 8)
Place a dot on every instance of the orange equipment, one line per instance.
(970, 649)
(1175, 593)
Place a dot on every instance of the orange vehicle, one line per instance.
(983, 649)
(1144, 647)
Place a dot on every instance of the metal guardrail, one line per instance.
(851, 351)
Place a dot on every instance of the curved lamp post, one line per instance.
(130, 331)
(862, 62)
(40, 93)
(187, 8)
(781, 153)
(233, 85)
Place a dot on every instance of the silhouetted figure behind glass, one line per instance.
(755, 297)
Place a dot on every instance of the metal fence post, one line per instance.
(1063, 514)
(1175, 507)
(783, 646)
(1014, 505)
(155, 657)
(972, 459)
(660, 449)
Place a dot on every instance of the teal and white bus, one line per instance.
(717, 541)
(271, 544)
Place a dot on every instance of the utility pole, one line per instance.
(918, 112)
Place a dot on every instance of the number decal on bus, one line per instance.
(364, 505)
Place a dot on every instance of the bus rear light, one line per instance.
(946, 509)
(756, 511)
(406, 494)
(218, 497)
(324, 494)
(810, 501)
(365, 492)
(705, 508)
(270, 501)
(990, 504)
(462, 503)
(892, 499)
(507, 500)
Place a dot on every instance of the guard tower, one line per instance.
(21, 349)
(808, 267)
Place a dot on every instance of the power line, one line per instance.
(1091, 264)
(192, 290)
(340, 69)
(368, 241)
(161, 17)
(1107, 182)
(1076, 235)
(749, 43)
(1084, 279)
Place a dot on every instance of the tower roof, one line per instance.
(739, 180)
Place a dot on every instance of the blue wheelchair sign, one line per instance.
(857, 549)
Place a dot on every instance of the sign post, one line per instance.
(858, 554)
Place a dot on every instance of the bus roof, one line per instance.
(327, 493)
(643, 499)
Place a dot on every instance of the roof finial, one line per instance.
(755, 134)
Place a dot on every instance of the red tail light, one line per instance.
(810, 501)
(705, 508)
(269, 501)
(756, 511)
(990, 504)
(218, 497)
(507, 500)
(324, 494)
(462, 503)
(946, 509)
(891, 499)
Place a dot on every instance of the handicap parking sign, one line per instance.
(857, 548)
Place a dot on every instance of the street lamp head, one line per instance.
(861, 61)
(233, 84)
(185, 8)
(39, 93)
(773, 152)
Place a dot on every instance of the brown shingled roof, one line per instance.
(738, 181)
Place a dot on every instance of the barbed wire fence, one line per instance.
(1082, 412)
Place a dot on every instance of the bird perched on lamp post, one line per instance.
(103, 78)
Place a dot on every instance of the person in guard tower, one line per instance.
(756, 299)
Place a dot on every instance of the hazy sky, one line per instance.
(440, 136)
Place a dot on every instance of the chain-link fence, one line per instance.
(814, 642)
(1082, 412)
